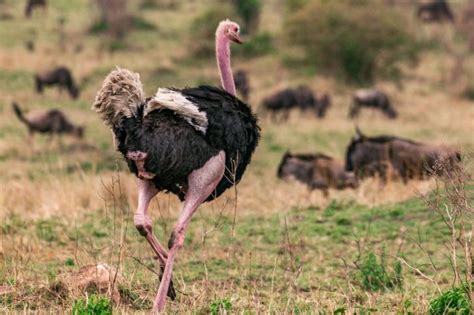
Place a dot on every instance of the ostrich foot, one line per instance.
(139, 158)
(143, 224)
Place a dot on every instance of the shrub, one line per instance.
(374, 275)
(337, 37)
(203, 30)
(469, 92)
(95, 305)
(221, 306)
(249, 11)
(454, 301)
(295, 5)
(258, 45)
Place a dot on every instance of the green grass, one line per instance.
(258, 243)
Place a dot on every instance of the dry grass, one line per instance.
(56, 201)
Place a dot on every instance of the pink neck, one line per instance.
(223, 62)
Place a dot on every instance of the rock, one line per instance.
(100, 278)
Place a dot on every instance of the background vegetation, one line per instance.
(275, 247)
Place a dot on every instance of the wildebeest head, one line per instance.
(292, 167)
(351, 148)
(74, 91)
(347, 179)
(323, 104)
(79, 132)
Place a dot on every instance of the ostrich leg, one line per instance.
(143, 223)
(201, 183)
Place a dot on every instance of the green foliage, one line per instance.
(374, 275)
(249, 11)
(69, 262)
(469, 92)
(136, 22)
(220, 306)
(203, 30)
(140, 24)
(116, 45)
(47, 230)
(258, 45)
(453, 301)
(337, 38)
(99, 26)
(295, 5)
(94, 305)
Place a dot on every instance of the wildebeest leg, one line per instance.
(201, 183)
(354, 110)
(320, 184)
(143, 223)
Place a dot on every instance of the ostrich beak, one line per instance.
(235, 37)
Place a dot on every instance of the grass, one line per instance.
(69, 203)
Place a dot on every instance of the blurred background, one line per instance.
(276, 246)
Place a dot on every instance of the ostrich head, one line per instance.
(229, 30)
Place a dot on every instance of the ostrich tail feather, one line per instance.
(119, 97)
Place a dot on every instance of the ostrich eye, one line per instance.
(236, 29)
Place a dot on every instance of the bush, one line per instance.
(95, 305)
(258, 45)
(469, 92)
(374, 275)
(358, 41)
(203, 30)
(295, 5)
(249, 11)
(454, 301)
(223, 306)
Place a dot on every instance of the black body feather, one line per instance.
(175, 148)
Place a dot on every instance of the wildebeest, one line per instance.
(301, 97)
(242, 84)
(60, 76)
(389, 155)
(372, 98)
(31, 4)
(435, 11)
(53, 122)
(318, 171)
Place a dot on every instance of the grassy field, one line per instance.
(274, 247)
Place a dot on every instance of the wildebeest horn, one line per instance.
(358, 133)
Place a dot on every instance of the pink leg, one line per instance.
(201, 183)
(143, 223)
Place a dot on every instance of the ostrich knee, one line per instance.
(143, 224)
(177, 238)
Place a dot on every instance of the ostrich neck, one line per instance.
(223, 62)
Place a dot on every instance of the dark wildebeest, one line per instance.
(53, 122)
(318, 171)
(372, 98)
(60, 76)
(31, 4)
(242, 84)
(301, 97)
(389, 155)
(435, 11)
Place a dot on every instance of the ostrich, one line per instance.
(192, 142)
